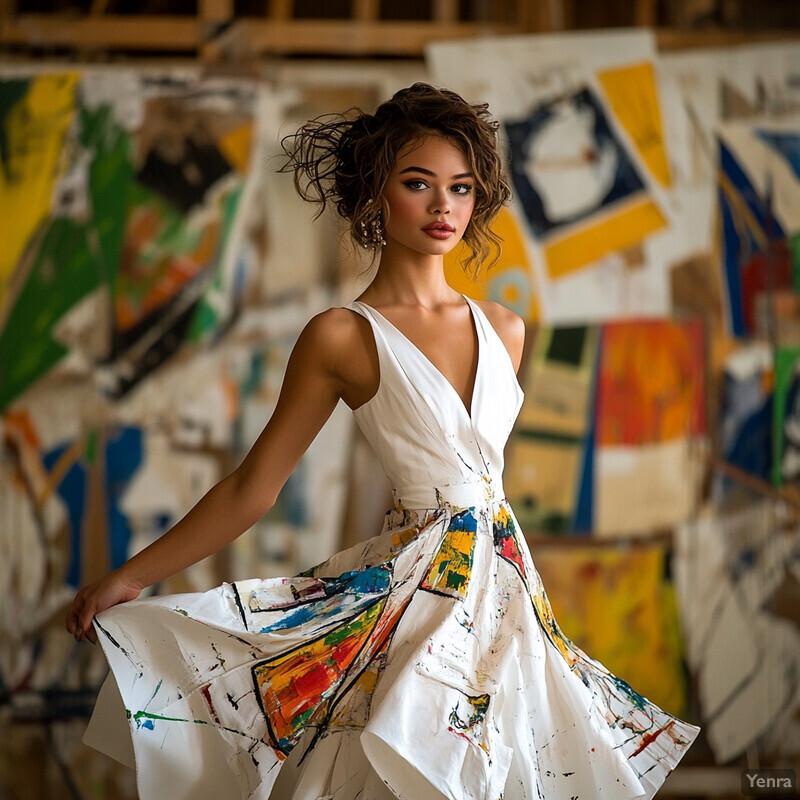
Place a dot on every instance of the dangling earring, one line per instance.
(377, 231)
(375, 236)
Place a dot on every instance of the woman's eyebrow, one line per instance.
(433, 174)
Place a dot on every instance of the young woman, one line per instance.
(424, 663)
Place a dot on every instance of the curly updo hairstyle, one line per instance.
(346, 159)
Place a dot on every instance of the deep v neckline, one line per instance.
(469, 412)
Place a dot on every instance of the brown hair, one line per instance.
(347, 158)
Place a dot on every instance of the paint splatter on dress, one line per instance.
(422, 664)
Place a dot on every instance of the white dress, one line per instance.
(422, 664)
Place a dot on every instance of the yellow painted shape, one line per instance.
(354, 711)
(236, 145)
(632, 94)
(622, 228)
(452, 566)
(401, 538)
(514, 255)
(34, 131)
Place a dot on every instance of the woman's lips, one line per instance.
(439, 231)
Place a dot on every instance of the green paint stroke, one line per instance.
(140, 715)
(71, 258)
(785, 359)
(206, 321)
(12, 92)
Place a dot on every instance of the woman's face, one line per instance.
(430, 195)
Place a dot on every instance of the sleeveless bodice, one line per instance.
(430, 446)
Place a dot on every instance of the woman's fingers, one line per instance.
(73, 614)
(93, 599)
(79, 618)
(88, 634)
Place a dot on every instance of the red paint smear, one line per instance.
(508, 549)
(301, 683)
(649, 738)
(207, 694)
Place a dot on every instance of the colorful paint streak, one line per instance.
(131, 225)
(755, 245)
(452, 567)
(90, 474)
(293, 686)
(87, 252)
(468, 718)
(35, 115)
(651, 382)
(505, 539)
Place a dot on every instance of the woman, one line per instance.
(424, 663)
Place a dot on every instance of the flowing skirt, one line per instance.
(422, 664)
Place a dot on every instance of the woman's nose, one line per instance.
(440, 204)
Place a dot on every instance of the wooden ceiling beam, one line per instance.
(682, 39)
(344, 37)
(134, 32)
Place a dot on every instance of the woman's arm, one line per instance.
(316, 377)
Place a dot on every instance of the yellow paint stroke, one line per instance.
(236, 146)
(632, 94)
(514, 256)
(402, 537)
(59, 470)
(34, 131)
(627, 224)
(452, 566)
(354, 711)
(742, 213)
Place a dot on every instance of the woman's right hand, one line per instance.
(114, 588)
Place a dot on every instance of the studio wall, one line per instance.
(157, 271)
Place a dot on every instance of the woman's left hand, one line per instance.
(114, 588)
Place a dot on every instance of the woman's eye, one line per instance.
(416, 185)
(462, 188)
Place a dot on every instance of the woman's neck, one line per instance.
(404, 281)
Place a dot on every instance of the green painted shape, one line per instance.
(147, 715)
(785, 358)
(12, 92)
(205, 322)
(455, 580)
(355, 627)
(153, 260)
(92, 444)
(72, 259)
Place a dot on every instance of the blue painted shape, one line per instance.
(124, 454)
(348, 593)
(123, 457)
(72, 490)
(786, 144)
(582, 522)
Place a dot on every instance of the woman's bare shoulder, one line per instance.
(509, 325)
(340, 343)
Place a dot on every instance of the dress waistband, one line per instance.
(458, 495)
